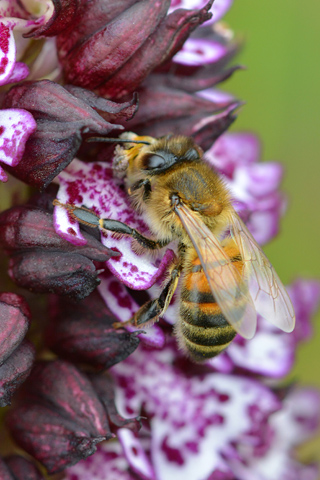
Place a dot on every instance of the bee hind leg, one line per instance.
(151, 311)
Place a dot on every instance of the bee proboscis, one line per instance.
(221, 276)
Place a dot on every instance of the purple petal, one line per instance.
(20, 72)
(107, 463)
(123, 306)
(259, 179)
(218, 9)
(15, 128)
(92, 185)
(292, 425)
(254, 189)
(269, 353)
(7, 53)
(16, 18)
(3, 176)
(272, 352)
(195, 418)
(305, 296)
(135, 454)
(216, 96)
(197, 52)
(264, 226)
(232, 150)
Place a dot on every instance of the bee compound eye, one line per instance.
(154, 161)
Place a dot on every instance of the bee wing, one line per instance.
(269, 295)
(231, 295)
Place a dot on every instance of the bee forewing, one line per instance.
(268, 293)
(231, 295)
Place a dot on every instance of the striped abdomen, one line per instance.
(203, 330)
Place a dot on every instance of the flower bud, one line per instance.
(14, 323)
(62, 119)
(163, 109)
(22, 469)
(4, 471)
(15, 370)
(42, 261)
(126, 41)
(83, 332)
(100, 54)
(60, 418)
(160, 47)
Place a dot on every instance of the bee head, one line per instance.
(167, 151)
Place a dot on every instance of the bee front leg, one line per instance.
(150, 312)
(87, 217)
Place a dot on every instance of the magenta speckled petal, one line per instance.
(218, 9)
(7, 53)
(123, 306)
(92, 185)
(108, 462)
(135, 454)
(195, 418)
(66, 227)
(16, 126)
(16, 19)
(3, 176)
(293, 424)
(197, 52)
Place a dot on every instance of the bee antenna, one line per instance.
(117, 140)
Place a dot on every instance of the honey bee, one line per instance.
(224, 277)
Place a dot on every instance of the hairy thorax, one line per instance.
(195, 184)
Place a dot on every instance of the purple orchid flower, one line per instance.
(113, 403)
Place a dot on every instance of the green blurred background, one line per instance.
(281, 91)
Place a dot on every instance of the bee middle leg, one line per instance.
(153, 309)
